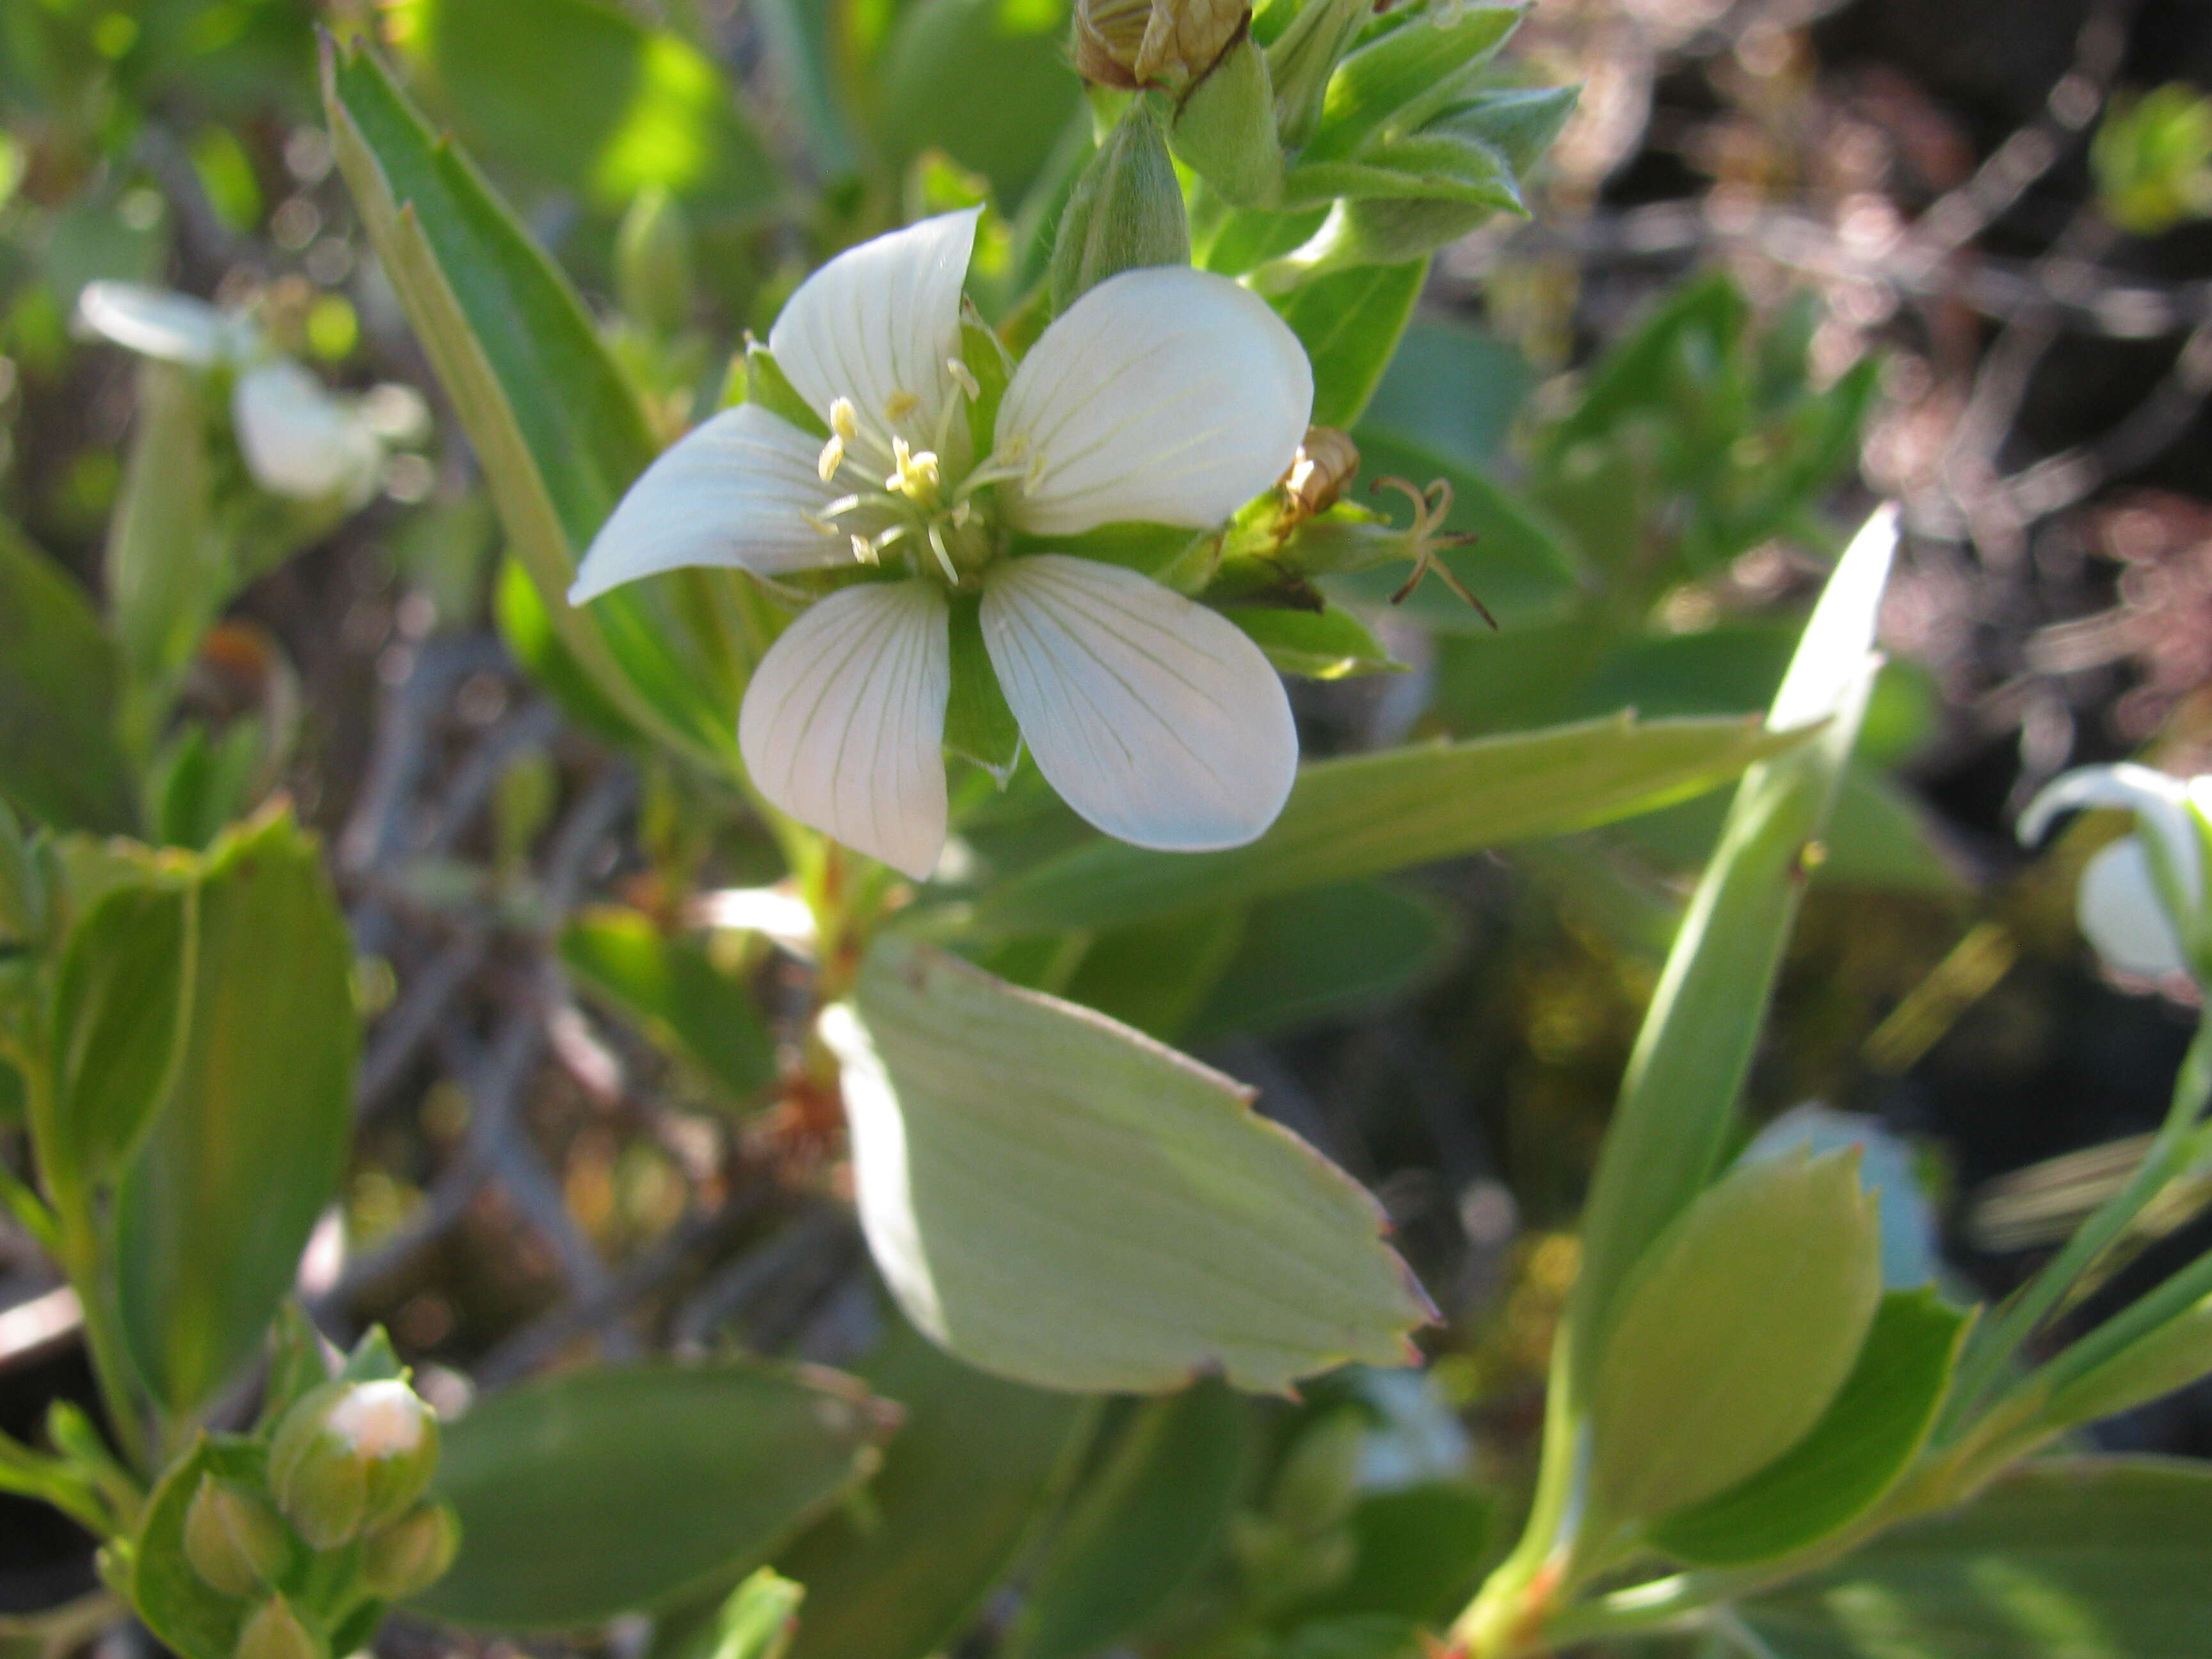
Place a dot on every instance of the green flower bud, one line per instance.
(1305, 55)
(1125, 211)
(351, 1456)
(653, 262)
(1131, 44)
(1225, 130)
(412, 1553)
(233, 1540)
(274, 1631)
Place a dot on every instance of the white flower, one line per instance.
(2141, 901)
(1166, 396)
(298, 439)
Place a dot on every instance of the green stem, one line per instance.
(1995, 1345)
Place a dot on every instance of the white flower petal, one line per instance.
(157, 322)
(2159, 802)
(298, 439)
(2118, 907)
(875, 324)
(733, 492)
(844, 724)
(1167, 395)
(1153, 718)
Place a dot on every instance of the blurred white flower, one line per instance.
(1167, 396)
(299, 438)
(2140, 901)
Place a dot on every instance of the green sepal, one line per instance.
(1395, 83)
(1428, 166)
(978, 726)
(1127, 211)
(766, 386)
(992, 366)
(1519, 122)
(1224, 130)
(1321, 645)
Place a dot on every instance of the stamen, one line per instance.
(844, 420)
(833, 457)
(841, 506)
(944, 558)
(864, 550)
(963, 377)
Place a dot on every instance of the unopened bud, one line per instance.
(351, 1456)
(1225, 130)
(233, 1540)
(1326, 463)
(1305, 55)
(1132, 44)
(412, 1553)
(653, 262)
(1125, 211)
(274, 1631)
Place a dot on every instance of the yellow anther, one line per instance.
(865, 551)
(844, 419)
(917, 476)
(900, 405)
(832, 458)
(963, 377)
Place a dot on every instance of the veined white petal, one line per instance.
(298, 439)
(734, 492)
(2120, 915)
(843, 724)
(1153, 718)
(877, 324)
(1168, 395)
(158, 322)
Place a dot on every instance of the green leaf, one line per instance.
(1148, 1523)
(1418, 1554)
(759, 1619)
(193, 1619)
(554, 424)
(1327, 953)
(1370, 814)
(1396, 83)
(1060, 1200)
(2079, 1558)
(578, 93)
(121, 1011)
(1321, 645)
(1734, 1335)
(1349, 322)
(58, 758)
(166, 575)
(1872, 1430)
(936, 68)
(218, 1203)
(604, 1491)
(1427, 168)
(2171, 1355)
(689, 1006)
(975, 1466)
(1452, 389)
(1678, 1098)
(1154, 974)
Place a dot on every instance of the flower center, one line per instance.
(906, 506)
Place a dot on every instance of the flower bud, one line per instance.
(351, 1456)
(233, 1540)
(412, 1553)
(1131, 44)
(298, 439)
(274, 1631)
(2142, 899)
(1325, 465)
(1305, 55)
(1225, 130)
(1125, 211)
(653, 262)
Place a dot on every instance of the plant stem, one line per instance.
(1992, 1349)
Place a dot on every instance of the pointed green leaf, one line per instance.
(1678, 1098)
(193, 1619)
(976, 1466)
(1874, 1429)
(1148, 1523)
(58, 680)
(2076, 1557)
(687, 1005)
(215, 1209)
(122, 1008)
(610, 1491)
(1062, 1200)
(1370, 814)
(1395, 84)
(551, 418)
(2170, 1356)
(1734, 1336)
(1349, 323)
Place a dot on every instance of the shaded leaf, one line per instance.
(59, 676)
(121, 1011)
(1062, 1200)
(688, 1006)
(604, 1491)
(1349, 322)
(1324, 954)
